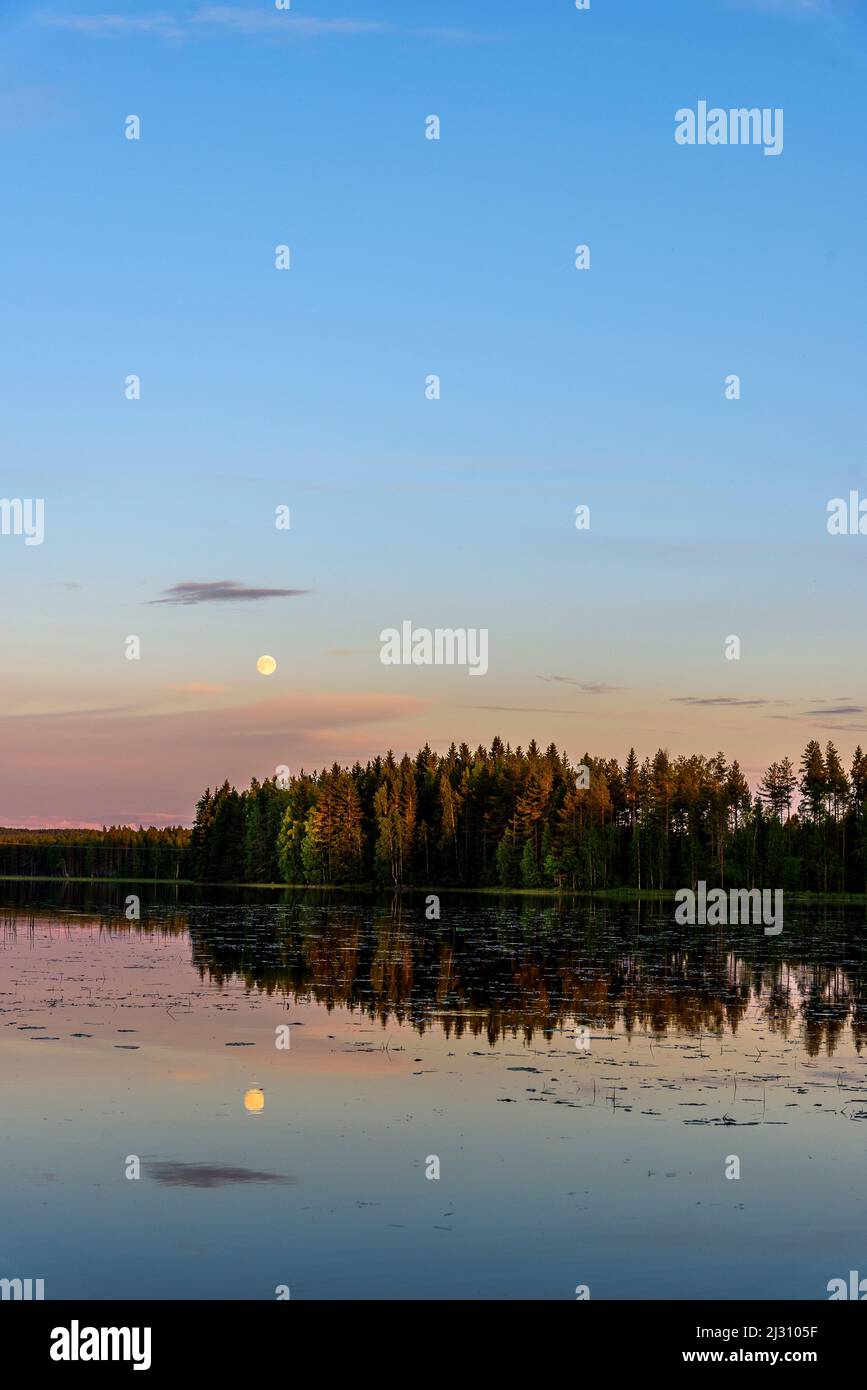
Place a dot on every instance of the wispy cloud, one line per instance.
(727, 700)
(221, 591)
(101, 711)
(237, 19)
(90, 771)
(102, 25)
(199, 688)
(839, 710)
(787, 6)
(284, 23)
(586, 687)
(522, 709)
(835, 727)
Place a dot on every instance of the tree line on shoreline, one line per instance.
(117, 851)
(500, 817)
(524, 818)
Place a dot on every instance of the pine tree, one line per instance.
(837, 785)
(814, 781)
(858, 779)
(632, 786)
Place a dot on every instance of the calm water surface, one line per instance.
(410, 1039)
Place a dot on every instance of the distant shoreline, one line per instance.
(407, 890)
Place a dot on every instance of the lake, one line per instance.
(286, 1072)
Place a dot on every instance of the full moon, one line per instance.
(266, 666)
(254, 1100)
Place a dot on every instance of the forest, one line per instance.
(524, 818)
(499, 818)
(117, 851)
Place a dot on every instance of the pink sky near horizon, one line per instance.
(147, 763)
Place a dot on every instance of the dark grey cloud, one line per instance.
(522, 709)
(221, 591)
(834, 710)
(726, 700)
(586, 687)
(172, 1174)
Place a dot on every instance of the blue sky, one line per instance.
(412, 257)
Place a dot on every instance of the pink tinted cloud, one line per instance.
(117, 768)
(199, 688)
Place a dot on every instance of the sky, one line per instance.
(306, 388)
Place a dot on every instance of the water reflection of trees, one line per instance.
(501, 971)
(512, 968)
